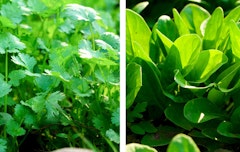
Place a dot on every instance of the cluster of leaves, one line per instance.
(183, 76)
(59, 76)
(156, 8)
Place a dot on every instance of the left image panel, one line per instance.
(59, 75)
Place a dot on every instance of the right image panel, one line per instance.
(182, 75)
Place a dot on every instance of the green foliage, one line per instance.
(59, 75)
(185, 78)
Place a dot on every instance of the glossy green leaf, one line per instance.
(200, 110)
(180, 80)
(227, 81)
(181, 25)
(213, 30)
(183, 53)
(235, 117)
(162, 137)
(227, 129)
(182, 142)
(143, 127)
(233, 14)
(166, 42)
(134, 82)
(216, 96)
(167, 27)
(134, 147)
(163, 33)
(207, 63)
(137, 36)
(234, 37)
(140, 7)
(175, 114)
(136, 129)
(193, 16)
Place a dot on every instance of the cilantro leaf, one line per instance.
(10, 43)
(116, 117)
(4, 118)
(112, 39)
(80, 87)
(12, 12)
(100, 122)
(3, 145)
(80, 13)
(113, 136)
(4, 87)
(24, 60)
(46, 82)
(15, 76)
(52, 105)
(25, 115)
(36, 6)
(14, 129)
(6, 22)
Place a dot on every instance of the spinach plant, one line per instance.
(59, 76)
(183, 77)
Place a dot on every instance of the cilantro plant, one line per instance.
(59, 75)
(183, 77)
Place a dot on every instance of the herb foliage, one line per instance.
(59, 75)
(183, 77)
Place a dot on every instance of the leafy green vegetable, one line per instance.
(59, 75)
(182, 142)
(186, 80)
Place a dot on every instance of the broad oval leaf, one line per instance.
(228, 80)
(201, 110)
(227, 129)
(193, 15)
(213, 30)
(140, 6)
(184, 53)
(182, 142)
(134, 82)
(175, 114)
(233, 14)
(167, 27)
(162, 137)
(208, 62)
(137, 36)
(235, 37)
(181, 25)
(134, 147)
(180, 80)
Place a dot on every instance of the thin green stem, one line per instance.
(6, 96)
(93, 38)
(110, 143)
